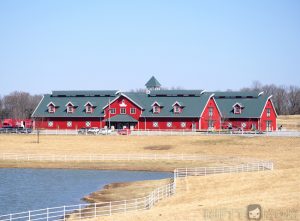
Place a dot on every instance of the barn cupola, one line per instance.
(153, 84)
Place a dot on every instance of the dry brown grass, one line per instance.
(289, 122)
(274, 190)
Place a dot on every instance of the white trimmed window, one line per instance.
(177, 109)
(112, 110)
(156, 109)
(50, 124)
(183, 124)
(88, 123)
(132, 110)
(169, 124)
(268, 112)
(123, 110)
(155, 124)
(88, 109)
(237, 109)
(69, 123)
(210, 111)
(70, 109)
(51, 109)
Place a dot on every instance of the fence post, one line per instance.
(136, 207)
(64, 213)
(47, 214)
(95, 210)
(10, 217)
(110, 208)
(29, 215)
(79, 211)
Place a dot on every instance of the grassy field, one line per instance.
(198, 198)
(289, 122)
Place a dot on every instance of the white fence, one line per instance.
(124, 157)
(204, 171)
(83, 211)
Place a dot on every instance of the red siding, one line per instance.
(62, 123)
(237, 123)
(162, 123)
(215, 118)
(265, 118)
(116, 104)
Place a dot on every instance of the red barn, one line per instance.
(154, 109)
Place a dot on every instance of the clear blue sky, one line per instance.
(215, 45)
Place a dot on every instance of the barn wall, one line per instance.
(162, 123)
(237, 123)
(116, 104)
(265, 118)
(61, 123)
(216, 117)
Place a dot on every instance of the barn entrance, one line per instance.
(121, 121)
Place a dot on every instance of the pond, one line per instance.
(31, 189)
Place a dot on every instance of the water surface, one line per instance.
(30, 189)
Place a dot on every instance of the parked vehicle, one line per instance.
(93, 130)
(15, 130)
(105, 131)
(82, 130)
(25, 131)
(124, 132)
(6, 129)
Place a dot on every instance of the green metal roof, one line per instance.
(193, 106)
(251, 107)
(192, 101)
(152, 83)
(236, 94)
(125, 118)
(79, 102)
(176, 93)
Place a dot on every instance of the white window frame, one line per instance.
(70, 109)
(50, 124)
(133, 110)
(235, 109)
(176, 109)
(155, 124)
(210, 111)
(183, 124)
(155, 109)
(69, 123)
(268, 112)
(169, 124)
(51, 109)
(122, 110)
(88, 109)
(112, 111)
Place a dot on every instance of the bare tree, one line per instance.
(294, 100)
(20, 104)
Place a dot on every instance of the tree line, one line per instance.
(18, 104)
(286, 100)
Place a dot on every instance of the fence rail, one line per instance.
(123, 157)
(83, 211)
